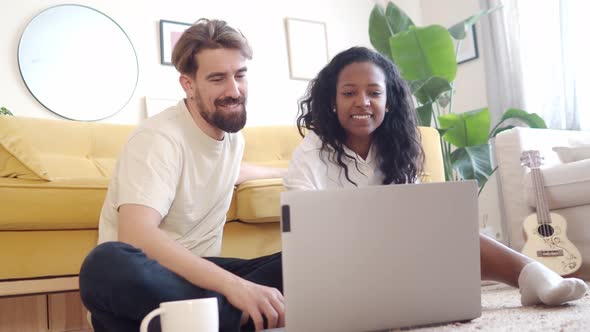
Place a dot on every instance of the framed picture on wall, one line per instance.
(468, 49)
(170, 32)
(307, 44)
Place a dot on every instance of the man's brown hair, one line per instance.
(206, 34)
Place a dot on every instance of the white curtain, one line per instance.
(537, 59)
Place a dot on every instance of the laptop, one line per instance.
(381, 257)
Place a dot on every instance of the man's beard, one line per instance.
(230, 122)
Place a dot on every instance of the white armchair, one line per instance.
(567, 185)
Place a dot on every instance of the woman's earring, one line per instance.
(334, 110)
(387, 110)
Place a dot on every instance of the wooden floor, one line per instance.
(42, 313)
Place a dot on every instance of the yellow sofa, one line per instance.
(53, 179)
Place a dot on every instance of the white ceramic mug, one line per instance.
(186, 316)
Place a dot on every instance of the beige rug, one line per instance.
(502, 311)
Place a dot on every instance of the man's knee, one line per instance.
(106, 255)
(103, 267)
(106, 261)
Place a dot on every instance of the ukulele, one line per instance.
(545, 232)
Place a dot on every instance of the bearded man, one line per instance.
(161, 224)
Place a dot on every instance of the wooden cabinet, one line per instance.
(43, 313)
(23, 314)
(66, 312)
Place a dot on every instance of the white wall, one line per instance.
(273, 95)
(412, 8)
(470, 83)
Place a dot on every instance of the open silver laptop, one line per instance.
(381, 257)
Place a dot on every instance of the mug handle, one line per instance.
(146, 320)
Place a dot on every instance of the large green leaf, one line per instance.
(442, 132)
(424, 52)
(398, 19)
(466, 129)
(424, 115)
(459, 30)
(379, 31)
(499, 130)
(532, 120)
(473, 162)
(384, 24)
(427, 91)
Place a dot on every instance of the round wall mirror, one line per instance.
(78, 62)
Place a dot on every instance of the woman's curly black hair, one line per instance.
(397, 139)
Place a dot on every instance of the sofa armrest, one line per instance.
(258, 201)
(566, 185)
(508, 147)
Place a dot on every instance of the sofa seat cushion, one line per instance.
(37, 254)
(41, 205)
(242, 240)
(259, 200)
(62, 204)
(566, 185)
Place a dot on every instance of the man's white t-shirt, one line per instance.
(312, 168)
(172, 166)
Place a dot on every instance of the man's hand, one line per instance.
(257, 300)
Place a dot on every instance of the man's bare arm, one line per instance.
(254, 172)
(138, 226)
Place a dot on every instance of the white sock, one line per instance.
(540, 285)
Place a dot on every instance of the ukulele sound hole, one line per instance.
(545, 230)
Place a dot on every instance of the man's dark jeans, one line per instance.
(119, 285)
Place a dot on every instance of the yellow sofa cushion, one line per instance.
(243, 240)
(18, 158)
(44, 253)
(271, 145)
(433, 168)
(57, 149)
(259, 200)
(40, 205)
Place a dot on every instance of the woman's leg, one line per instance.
(499, 262)
(538, 284)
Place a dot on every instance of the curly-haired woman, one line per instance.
(360, 129)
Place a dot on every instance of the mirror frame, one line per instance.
(116, 108)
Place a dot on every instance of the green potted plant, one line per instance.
(426, 57)
(4, 111)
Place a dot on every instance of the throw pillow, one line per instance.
(571, 154)
(18, 159)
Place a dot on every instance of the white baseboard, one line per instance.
(38, 286)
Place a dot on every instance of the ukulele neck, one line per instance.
(543, 216)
